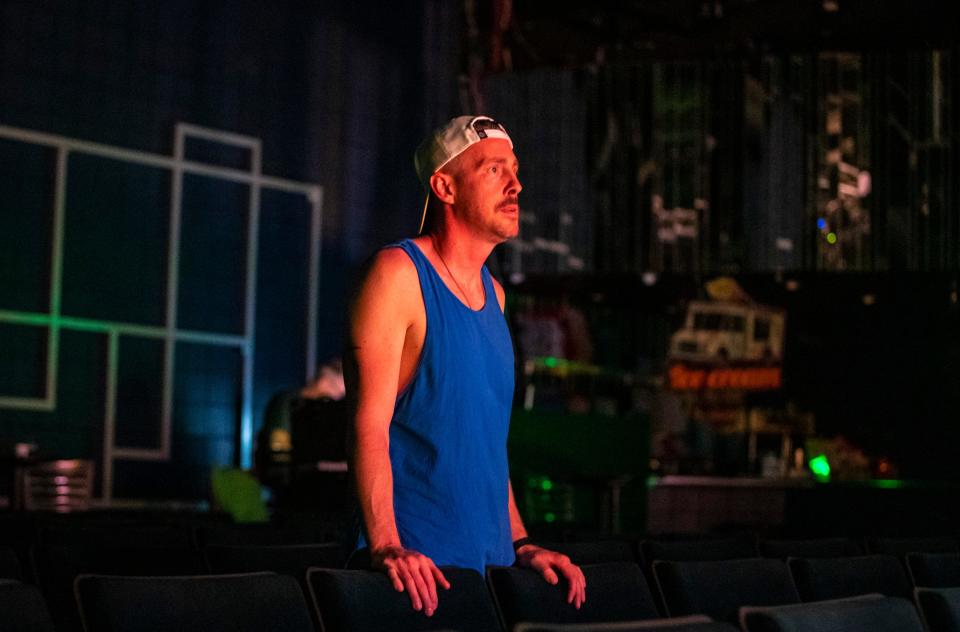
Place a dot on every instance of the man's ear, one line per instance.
(443, 187)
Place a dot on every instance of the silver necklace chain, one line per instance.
(447, 268)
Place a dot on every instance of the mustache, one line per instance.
(510, 201)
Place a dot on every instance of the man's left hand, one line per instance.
(549, 564)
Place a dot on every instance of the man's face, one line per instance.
(487, 188)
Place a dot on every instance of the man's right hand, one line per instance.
(411, 571)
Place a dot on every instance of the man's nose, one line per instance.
(513, 186)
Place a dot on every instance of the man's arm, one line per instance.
(546, 562)
(382, 313)
(542, 560)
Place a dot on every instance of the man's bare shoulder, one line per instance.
(392, 264)
(390, 282)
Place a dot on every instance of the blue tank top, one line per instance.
(448, 435)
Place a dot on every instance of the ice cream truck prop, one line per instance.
(720, 331)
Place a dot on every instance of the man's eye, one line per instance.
(493, 169)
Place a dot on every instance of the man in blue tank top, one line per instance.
(432, 379)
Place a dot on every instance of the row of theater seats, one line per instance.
(511, 599)
(57, 554)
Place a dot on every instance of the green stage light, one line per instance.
(820, 467)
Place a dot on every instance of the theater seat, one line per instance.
(615, 592)
(354, 600)
(733, 548)
(872, 613)
(56, 568)
(836, 578)
(250, 602)
(821, 547)
(286, 559)
(679, 624)
(940, 608)
(934, 570)
(598, 552)
(22, 608)
(718, 589)
(902, 546)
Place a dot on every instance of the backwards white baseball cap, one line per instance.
(448, 142)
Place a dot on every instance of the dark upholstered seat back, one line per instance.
(836, 578)
(57, 566)
(352, 600)
(204, 603)
(615, 592)
(934, 570)
(821, 547)
(902, 546)
(679, 624)
(718, 589)
(872, 613)
(700, 550)
(940, 608)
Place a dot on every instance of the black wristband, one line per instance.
(520, 542)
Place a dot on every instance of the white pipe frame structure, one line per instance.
(55, 321)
